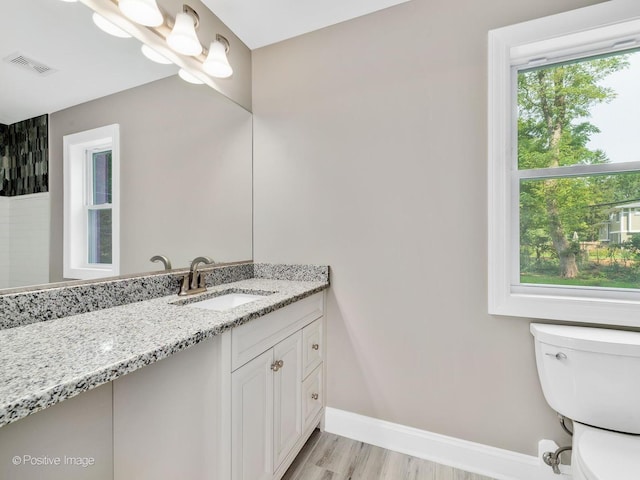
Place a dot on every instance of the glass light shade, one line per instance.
(108, 27)
(188, 77)
(217, 64)
(183, 38)
(154, 56)
(144, 12)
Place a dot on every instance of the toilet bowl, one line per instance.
(603, 455)
(592, 376)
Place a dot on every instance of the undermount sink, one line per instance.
(225, 302)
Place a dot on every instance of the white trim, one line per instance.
(545, 40)
(75, 147)
(28, 196)
(578, 171)
(620, 33)
(461, 454)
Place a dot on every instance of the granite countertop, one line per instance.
(44, 363)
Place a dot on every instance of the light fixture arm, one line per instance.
(192, 13)
(170, 22)
(224, 41)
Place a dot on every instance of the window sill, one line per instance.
(90, 273)
(573, 304)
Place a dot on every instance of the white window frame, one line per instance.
(76, 148)
(608, 26)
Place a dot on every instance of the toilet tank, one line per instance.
(591, 375)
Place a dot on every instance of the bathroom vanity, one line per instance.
(165, 388)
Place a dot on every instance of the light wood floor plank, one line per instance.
(404, 467)
(301, 460)
(331, 457)
(370, 464)
(309, 471)
(337, 454)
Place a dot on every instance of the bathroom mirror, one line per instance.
(186, 150)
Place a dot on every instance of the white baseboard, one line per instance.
(469, 456)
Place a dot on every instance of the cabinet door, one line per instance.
(287, 405)
(252, 420)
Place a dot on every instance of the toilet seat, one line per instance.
(605, 455)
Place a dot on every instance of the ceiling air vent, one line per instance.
(29, 64)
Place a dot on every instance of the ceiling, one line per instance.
(262, 22)
(48, 31)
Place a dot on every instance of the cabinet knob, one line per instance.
(277, 365)
(315, 346)
(314, 396)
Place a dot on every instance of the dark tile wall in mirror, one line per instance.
(24, 157)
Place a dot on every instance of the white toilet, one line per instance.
(592, 376)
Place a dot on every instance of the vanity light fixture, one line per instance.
(183, 38)
(217, 64)
(154, 56)
(189, 77)
(144, 12)
(108, 27)
(179, 34)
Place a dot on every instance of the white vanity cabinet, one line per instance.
(271, 414)
(168, 417)
(238, 406)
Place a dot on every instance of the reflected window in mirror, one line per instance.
(91, 204)
(99, 206)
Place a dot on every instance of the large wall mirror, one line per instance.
(185, 150)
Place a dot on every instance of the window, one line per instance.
(564, 166)
(99, 206)
(91, 203)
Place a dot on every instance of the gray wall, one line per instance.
(185, 172)
(370, 142)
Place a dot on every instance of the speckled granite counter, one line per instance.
(46, 362)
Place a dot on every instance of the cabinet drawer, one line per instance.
(257, 336)
(312, 347)
(312, 397)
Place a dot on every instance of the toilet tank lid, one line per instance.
(601, 340)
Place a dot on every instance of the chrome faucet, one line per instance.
(194, 282)
(197, 280)
(162, 258)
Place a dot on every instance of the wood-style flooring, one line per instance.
(330, 457)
